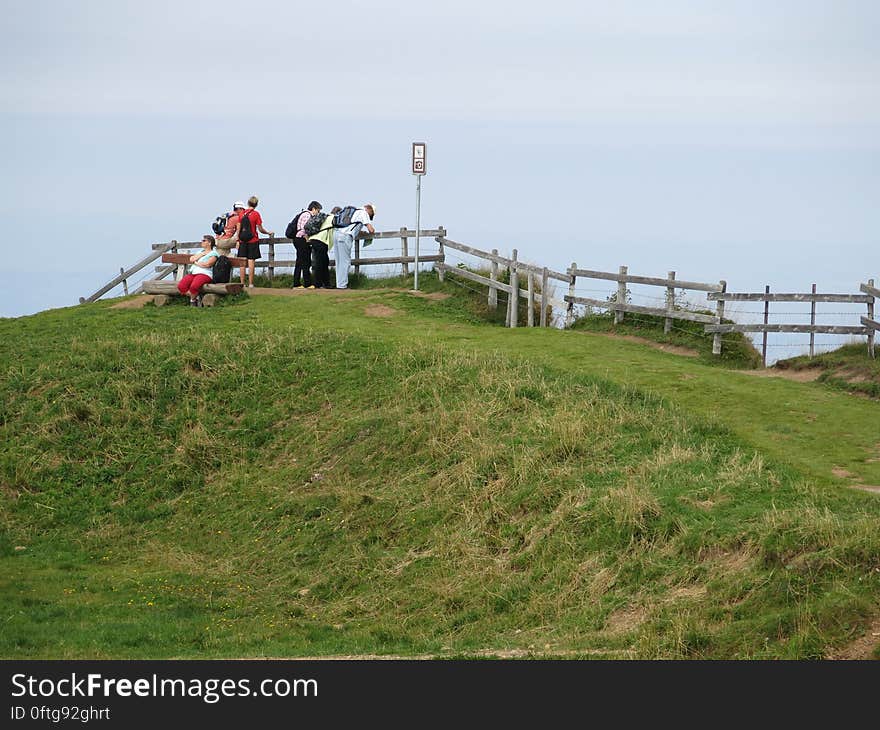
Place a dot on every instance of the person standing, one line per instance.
(343, 241)
(200, 271)
(321, 243)
(249, 246)
(301, 271)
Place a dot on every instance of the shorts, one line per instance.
(249, 250)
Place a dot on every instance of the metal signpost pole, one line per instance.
(418, 227)
(418, 169)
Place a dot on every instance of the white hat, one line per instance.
(372, 206)
(238, 204)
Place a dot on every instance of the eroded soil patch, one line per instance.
(380, 310)
(136, 302)
(861, 648)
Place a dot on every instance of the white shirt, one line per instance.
(205, 260)
(358, 220)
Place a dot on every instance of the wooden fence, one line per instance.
(867, 327)
(620, 306)
(272, 263)
(513, 291)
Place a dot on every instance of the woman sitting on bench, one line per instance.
(200, 271)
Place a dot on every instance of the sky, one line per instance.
(733, 140)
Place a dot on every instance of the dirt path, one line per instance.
(799, 376)
(135, 302)
(861, 648)
(481, 653)
(672, 349)
(258, 291)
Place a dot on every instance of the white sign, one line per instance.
(418, 158)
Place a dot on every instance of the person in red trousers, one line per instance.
(200, 271)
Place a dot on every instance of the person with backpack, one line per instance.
(319, 230)
(249, 239)
(296, 231)
(228, 237)
(347, 224)
(200, 271)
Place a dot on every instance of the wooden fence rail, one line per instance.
(404, 234)
(812, 298)
(125, 275)
(868, 325)
(620, 306)
(513, 290)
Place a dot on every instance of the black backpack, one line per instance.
(290, 232)
(221, 270)
(344, 216)
(219, 224)
(246, 232)
(313, 224)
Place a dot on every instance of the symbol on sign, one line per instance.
(419, 157)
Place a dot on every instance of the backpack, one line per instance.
(344, 216)
(314, 224)
(290, 231)
(221, 270)
(246, 232)
(219, 224)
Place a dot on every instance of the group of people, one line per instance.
(314, 242)
(242, 227)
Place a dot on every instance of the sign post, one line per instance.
(418, 169)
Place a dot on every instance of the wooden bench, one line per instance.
(162, 291)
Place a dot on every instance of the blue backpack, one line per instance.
(344, 216)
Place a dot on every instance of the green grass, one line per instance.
(737, 350)
(286, 476)
(849, 368)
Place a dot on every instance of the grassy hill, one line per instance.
(374, 472)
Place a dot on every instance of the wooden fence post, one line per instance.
(569, 310)
(871, 316)
(124, 281)
(357, 255)
(441, 252)
(180, 272)
(716, 340)
(812, 324)
(271, 259)
(404, 251)
(670, 304)
(493, 292)
(530, 315)
(621, 295)
(513, 299)
(766, 320)
(545, 296)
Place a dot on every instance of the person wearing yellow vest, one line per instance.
(321, 243)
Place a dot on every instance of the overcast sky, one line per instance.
(734, 139)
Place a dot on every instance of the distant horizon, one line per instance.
(721, 140)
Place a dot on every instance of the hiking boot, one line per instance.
(310, 287)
